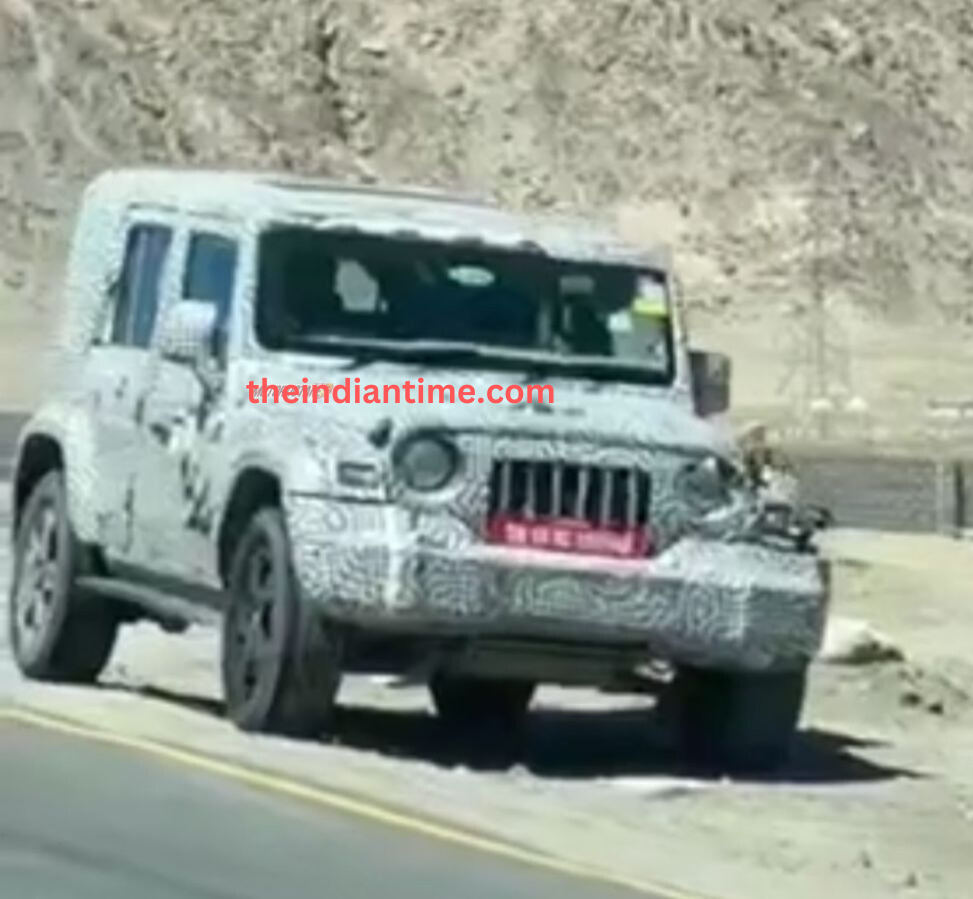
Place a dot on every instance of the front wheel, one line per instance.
(738, 722)
(56, 633)
(280, 664)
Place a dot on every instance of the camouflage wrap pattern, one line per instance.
(733, 604)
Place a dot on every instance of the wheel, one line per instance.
(56, 633)
(280, 666)
(738, 722)
(468, 704)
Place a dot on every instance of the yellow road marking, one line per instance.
(358, 807)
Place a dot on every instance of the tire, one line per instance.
(56, 633)
(738, 722)
(464, 704)
(280, 666)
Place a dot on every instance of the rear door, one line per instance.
(181, 415)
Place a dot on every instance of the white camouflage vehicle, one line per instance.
(486, 546)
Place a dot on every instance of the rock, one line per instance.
(375, 47)
(910, 698)
(848, 641)
(833, 35)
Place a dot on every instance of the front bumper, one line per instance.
(734, 605)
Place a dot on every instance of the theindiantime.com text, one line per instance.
(417, 392)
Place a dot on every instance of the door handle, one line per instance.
(162, 428)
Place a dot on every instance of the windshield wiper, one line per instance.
(534, 365)
(365, 351)
(596, 368)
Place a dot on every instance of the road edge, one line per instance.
(359, 807)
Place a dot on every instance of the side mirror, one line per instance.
(188, 332)
(111, 291)
(710, 374)
(113, 285)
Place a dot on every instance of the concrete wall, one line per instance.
(917, 494)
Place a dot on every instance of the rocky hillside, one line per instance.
(775, 143)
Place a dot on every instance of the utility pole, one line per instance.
(818, 360)
(816, 390)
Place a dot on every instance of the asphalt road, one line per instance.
(81, 819)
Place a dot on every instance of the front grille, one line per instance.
(598, 495)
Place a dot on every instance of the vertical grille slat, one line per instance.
(645, 503)
(581, 502)
(557, 491)
(602, 496)
(607, 482)
(631, 497)
(506, 473)
(530, 499)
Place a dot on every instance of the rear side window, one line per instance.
(140, 287)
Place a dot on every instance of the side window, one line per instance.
(210, 270)
(209, 277)
(140, 285)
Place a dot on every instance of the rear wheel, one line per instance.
(56, 633)
(738, 722)
(280, 664)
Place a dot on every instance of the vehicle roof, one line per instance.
(400, 211)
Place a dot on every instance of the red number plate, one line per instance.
(571, 536)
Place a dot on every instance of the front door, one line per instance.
(181, 419)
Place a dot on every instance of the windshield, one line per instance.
(328, 293)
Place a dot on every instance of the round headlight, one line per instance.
(427, 463)
(708, 483)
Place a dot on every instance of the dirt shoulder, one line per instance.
(878, 801)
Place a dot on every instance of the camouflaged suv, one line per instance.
(602, 534)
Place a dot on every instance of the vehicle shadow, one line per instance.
(596, 745)
(569, 744)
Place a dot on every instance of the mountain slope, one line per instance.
(772, 143)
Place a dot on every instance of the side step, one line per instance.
(172, 613)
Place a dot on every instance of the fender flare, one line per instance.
(72, 430)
